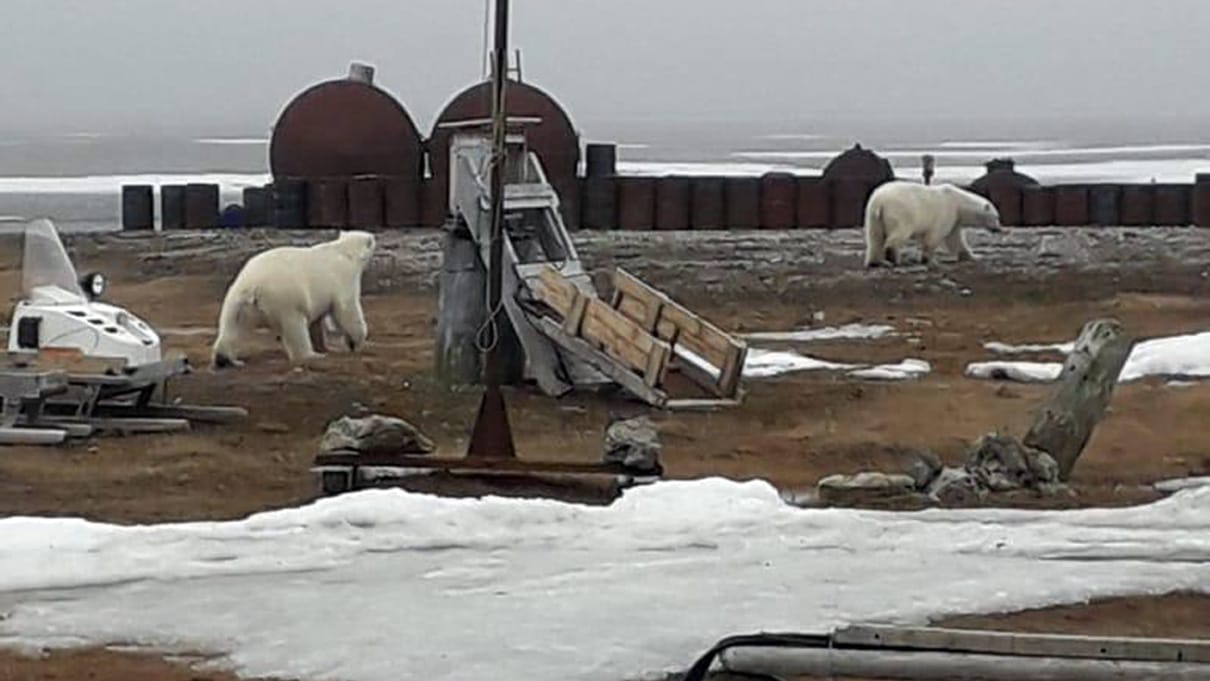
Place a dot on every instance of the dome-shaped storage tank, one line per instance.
(344, 128)
(554, 138)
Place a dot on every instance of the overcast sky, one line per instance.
(230, 65)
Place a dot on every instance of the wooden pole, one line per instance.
(1065, 423)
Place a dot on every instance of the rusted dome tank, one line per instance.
(1001, 172)
(343, 128)
(859, 163)
(554, 139)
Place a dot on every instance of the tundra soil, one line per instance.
(1029, 286)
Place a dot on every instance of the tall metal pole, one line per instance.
(492, 436)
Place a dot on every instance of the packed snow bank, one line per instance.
(1185, 356)
(386, 585)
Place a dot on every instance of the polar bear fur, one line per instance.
(295, 291)
(899, 211)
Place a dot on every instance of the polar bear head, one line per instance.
(357, 245)
(974, 210)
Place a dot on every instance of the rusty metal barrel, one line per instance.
(1104, 205)
(778, 201)
(1071, 205)
(1136, 207)
(814, 203)
(289, 203)
(401, 201)
(599, 203)
(673, 203)
(636, 203)
(1007, 199)
(1037, 206)
(367, 205)
(1201, 200)
(848, 202)
(258, 207)
(1173, 203)
(138, 207)
(434, 203)
(172, 206)
(201, 206)
(328, 203)
(600, 160)
(708, 203)
(742, 196)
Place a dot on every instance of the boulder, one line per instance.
(923, 467)
(375, 434)
(633, 443)
(955, 487)
(1002, 463)
(865, 488)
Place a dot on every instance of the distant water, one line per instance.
(75, 178)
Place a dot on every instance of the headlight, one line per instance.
(93, 285)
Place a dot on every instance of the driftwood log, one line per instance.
(1065, 423)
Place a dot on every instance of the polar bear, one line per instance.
(295, 291)
(933, 214)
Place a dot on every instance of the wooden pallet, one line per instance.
(706, 355)
(600, 335)
(634, 340)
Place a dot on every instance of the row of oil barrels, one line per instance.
(1129, 205)
(603, 202)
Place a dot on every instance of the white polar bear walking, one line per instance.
(932, 214)
(295, 291)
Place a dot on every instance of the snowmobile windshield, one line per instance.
(45, 263)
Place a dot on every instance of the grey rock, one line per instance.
(1002, 463)
(866, 487)
(956, 487)
(633, 443)
(923, 467)
(375, 434)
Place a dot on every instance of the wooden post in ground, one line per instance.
(1065, 423)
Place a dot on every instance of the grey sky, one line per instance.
(230, 65)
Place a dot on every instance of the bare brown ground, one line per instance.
(790, 431)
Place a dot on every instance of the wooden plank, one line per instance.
(674, 323)
(732, 370)
(657, 364)
(469, 463)
(1029, 645)
(575, 315)
(556, 291)
(124, 425)
(602, 362)
(698, 405)
(620, 337)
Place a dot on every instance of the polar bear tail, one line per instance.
(875, 234)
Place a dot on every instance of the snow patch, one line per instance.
(1184, 356)
(549, 591)
(845, 332)
(907, 369)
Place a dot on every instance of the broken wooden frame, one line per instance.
(639, 336)
(53, 395)
(695, 341)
